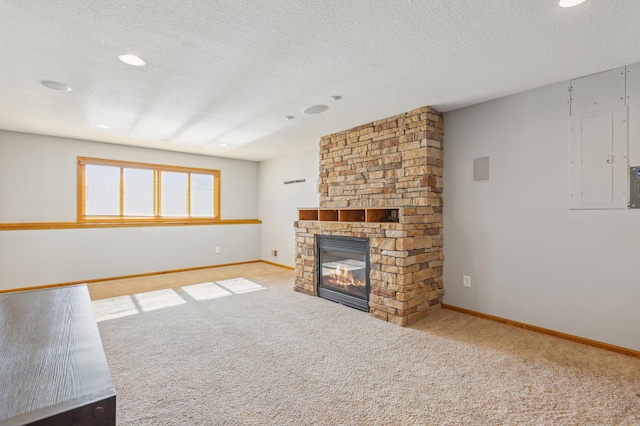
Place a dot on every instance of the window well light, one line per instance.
(134, 60)
(570, 3)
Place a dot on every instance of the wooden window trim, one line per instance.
(30, 226)
(157, 168)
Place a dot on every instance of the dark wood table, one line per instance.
(53, 370)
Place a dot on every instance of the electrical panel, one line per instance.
(598, 141)
(598, 160)
(633, 102)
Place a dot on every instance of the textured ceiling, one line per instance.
(229, 71)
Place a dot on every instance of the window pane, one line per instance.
(102, 190)
(174, 190)
(138, 192)
(201, 195)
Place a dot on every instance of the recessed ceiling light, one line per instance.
(570, 3)
(289, 117)
(315, 109)
(102, 126)
(224, 145)
(61, 87)
(336, 97)
(134, 60)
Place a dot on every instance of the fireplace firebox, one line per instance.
(343, 270)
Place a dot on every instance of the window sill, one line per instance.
(114, 224)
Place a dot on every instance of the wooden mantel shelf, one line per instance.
(351, 214)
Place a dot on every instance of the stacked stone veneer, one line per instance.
(395, 162)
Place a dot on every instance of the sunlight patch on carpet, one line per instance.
(206, 291)
(152, 300)
(123, 306)
(115, 307)
(240, 285)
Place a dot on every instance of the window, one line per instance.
(110, 190)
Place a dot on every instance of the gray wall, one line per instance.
(279, 202)
(38, 184)
(530, 258)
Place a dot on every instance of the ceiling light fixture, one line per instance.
(134, 60)
(289, 117)
(102, 126)
(224, 145)
(54, 85)
(570, 3)
(315, 109)
(336, 97)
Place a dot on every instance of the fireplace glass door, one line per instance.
(343, 270)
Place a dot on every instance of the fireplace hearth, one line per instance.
(343, 270)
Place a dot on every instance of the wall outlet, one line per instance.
(217, 250)
(274, 253)
(466, 280)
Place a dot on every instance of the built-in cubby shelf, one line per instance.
(352, 215)
(327, 215)
(370, 214)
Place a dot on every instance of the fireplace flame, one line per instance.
(344, 278)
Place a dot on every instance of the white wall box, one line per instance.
(598, 92)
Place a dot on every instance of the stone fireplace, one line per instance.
(381, 183)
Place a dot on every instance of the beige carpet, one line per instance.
(242, 348)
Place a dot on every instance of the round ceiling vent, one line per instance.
(54, 85)
(315, 109)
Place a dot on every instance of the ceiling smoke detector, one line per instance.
(336, 97)
(315, 109)
(54, 85)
